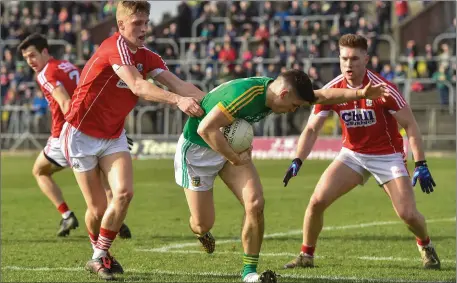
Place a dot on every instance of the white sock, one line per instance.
(98, 253)
(66, 214)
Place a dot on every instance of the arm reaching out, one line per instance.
(143, 88)
(341, 95)
(305, 145)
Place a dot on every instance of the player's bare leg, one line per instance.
(43, 170)
(337, 180)
(91, 186)
(124, 231)
(202, 216)
(401, 193)
(244, 182)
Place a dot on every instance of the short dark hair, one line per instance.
(35, 39)
(300, 81)
(353, 41)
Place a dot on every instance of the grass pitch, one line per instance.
(363, 240)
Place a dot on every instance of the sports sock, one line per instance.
(93, 240)
(249, 264)
(307, 250)
(64, 210)
(423, 243)
(104, 242)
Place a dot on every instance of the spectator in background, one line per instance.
(441, 77)
(86, 44)
(431, 63)
(40, 110)
(374, 64)
(401, 10)
(445, 56)
(69, 54)
(383, 16)
(228, 54)
(388, 73)
(315, 78)
(68, 33)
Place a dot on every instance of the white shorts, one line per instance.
(383, 167)
(83, 151)
(53, 153)
(196, 167)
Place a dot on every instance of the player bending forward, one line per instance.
(202, 152)
(93, 138)
(372, 145)
(57, 80)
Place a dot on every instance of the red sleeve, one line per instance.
(120, 54)
(395, 101)
(156, 65)
(322, 110)
(47, 79)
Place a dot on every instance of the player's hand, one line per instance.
(371, 91)
(130, 142)
(292, 171)
(243, 158)
(422, 173)
(190, 106)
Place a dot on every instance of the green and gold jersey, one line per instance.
(240, 98)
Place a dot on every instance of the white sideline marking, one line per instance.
(372, 258)
(218, 274)
(295, 232)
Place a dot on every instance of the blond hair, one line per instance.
(128, 8)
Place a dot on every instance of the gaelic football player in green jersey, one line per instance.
(203, 153)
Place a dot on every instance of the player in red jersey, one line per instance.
(372, 145)
(93, 137)
(57, 80)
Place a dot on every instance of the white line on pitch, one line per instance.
(217, 274)
(371, 258)
(296, 232)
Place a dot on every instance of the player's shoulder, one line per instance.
(378, 78)
(112, 44)
(337, 82)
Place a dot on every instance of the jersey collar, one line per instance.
(365, 81)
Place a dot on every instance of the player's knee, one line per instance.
(255, 205)
(97, 211)
(38, 171)
(124, 196)
(200, 226)
(408, 215)
(317, 204)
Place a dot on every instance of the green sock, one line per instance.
(249, 264)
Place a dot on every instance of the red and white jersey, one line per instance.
(368, 125)
(56, 73)
(102, 101)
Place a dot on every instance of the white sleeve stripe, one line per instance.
(322, 113)
(120, 50)
(397, 96)
(126, 51)
(334, 81)
(44, 82)
(156, 72)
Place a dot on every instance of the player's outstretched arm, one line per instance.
(406, 119)
(63, 99)
(209, 130)
(178, 86)
(341, 95)
(305, 145)
(151, 92)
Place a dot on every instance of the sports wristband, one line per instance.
(420, 163)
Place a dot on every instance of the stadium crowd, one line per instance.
(220, 51)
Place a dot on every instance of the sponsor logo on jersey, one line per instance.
(257, 117)
(358, 117)
(122, 84)
(369, 102)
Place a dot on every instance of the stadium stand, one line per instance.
(210, 42)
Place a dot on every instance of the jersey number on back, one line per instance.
(69, 68)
